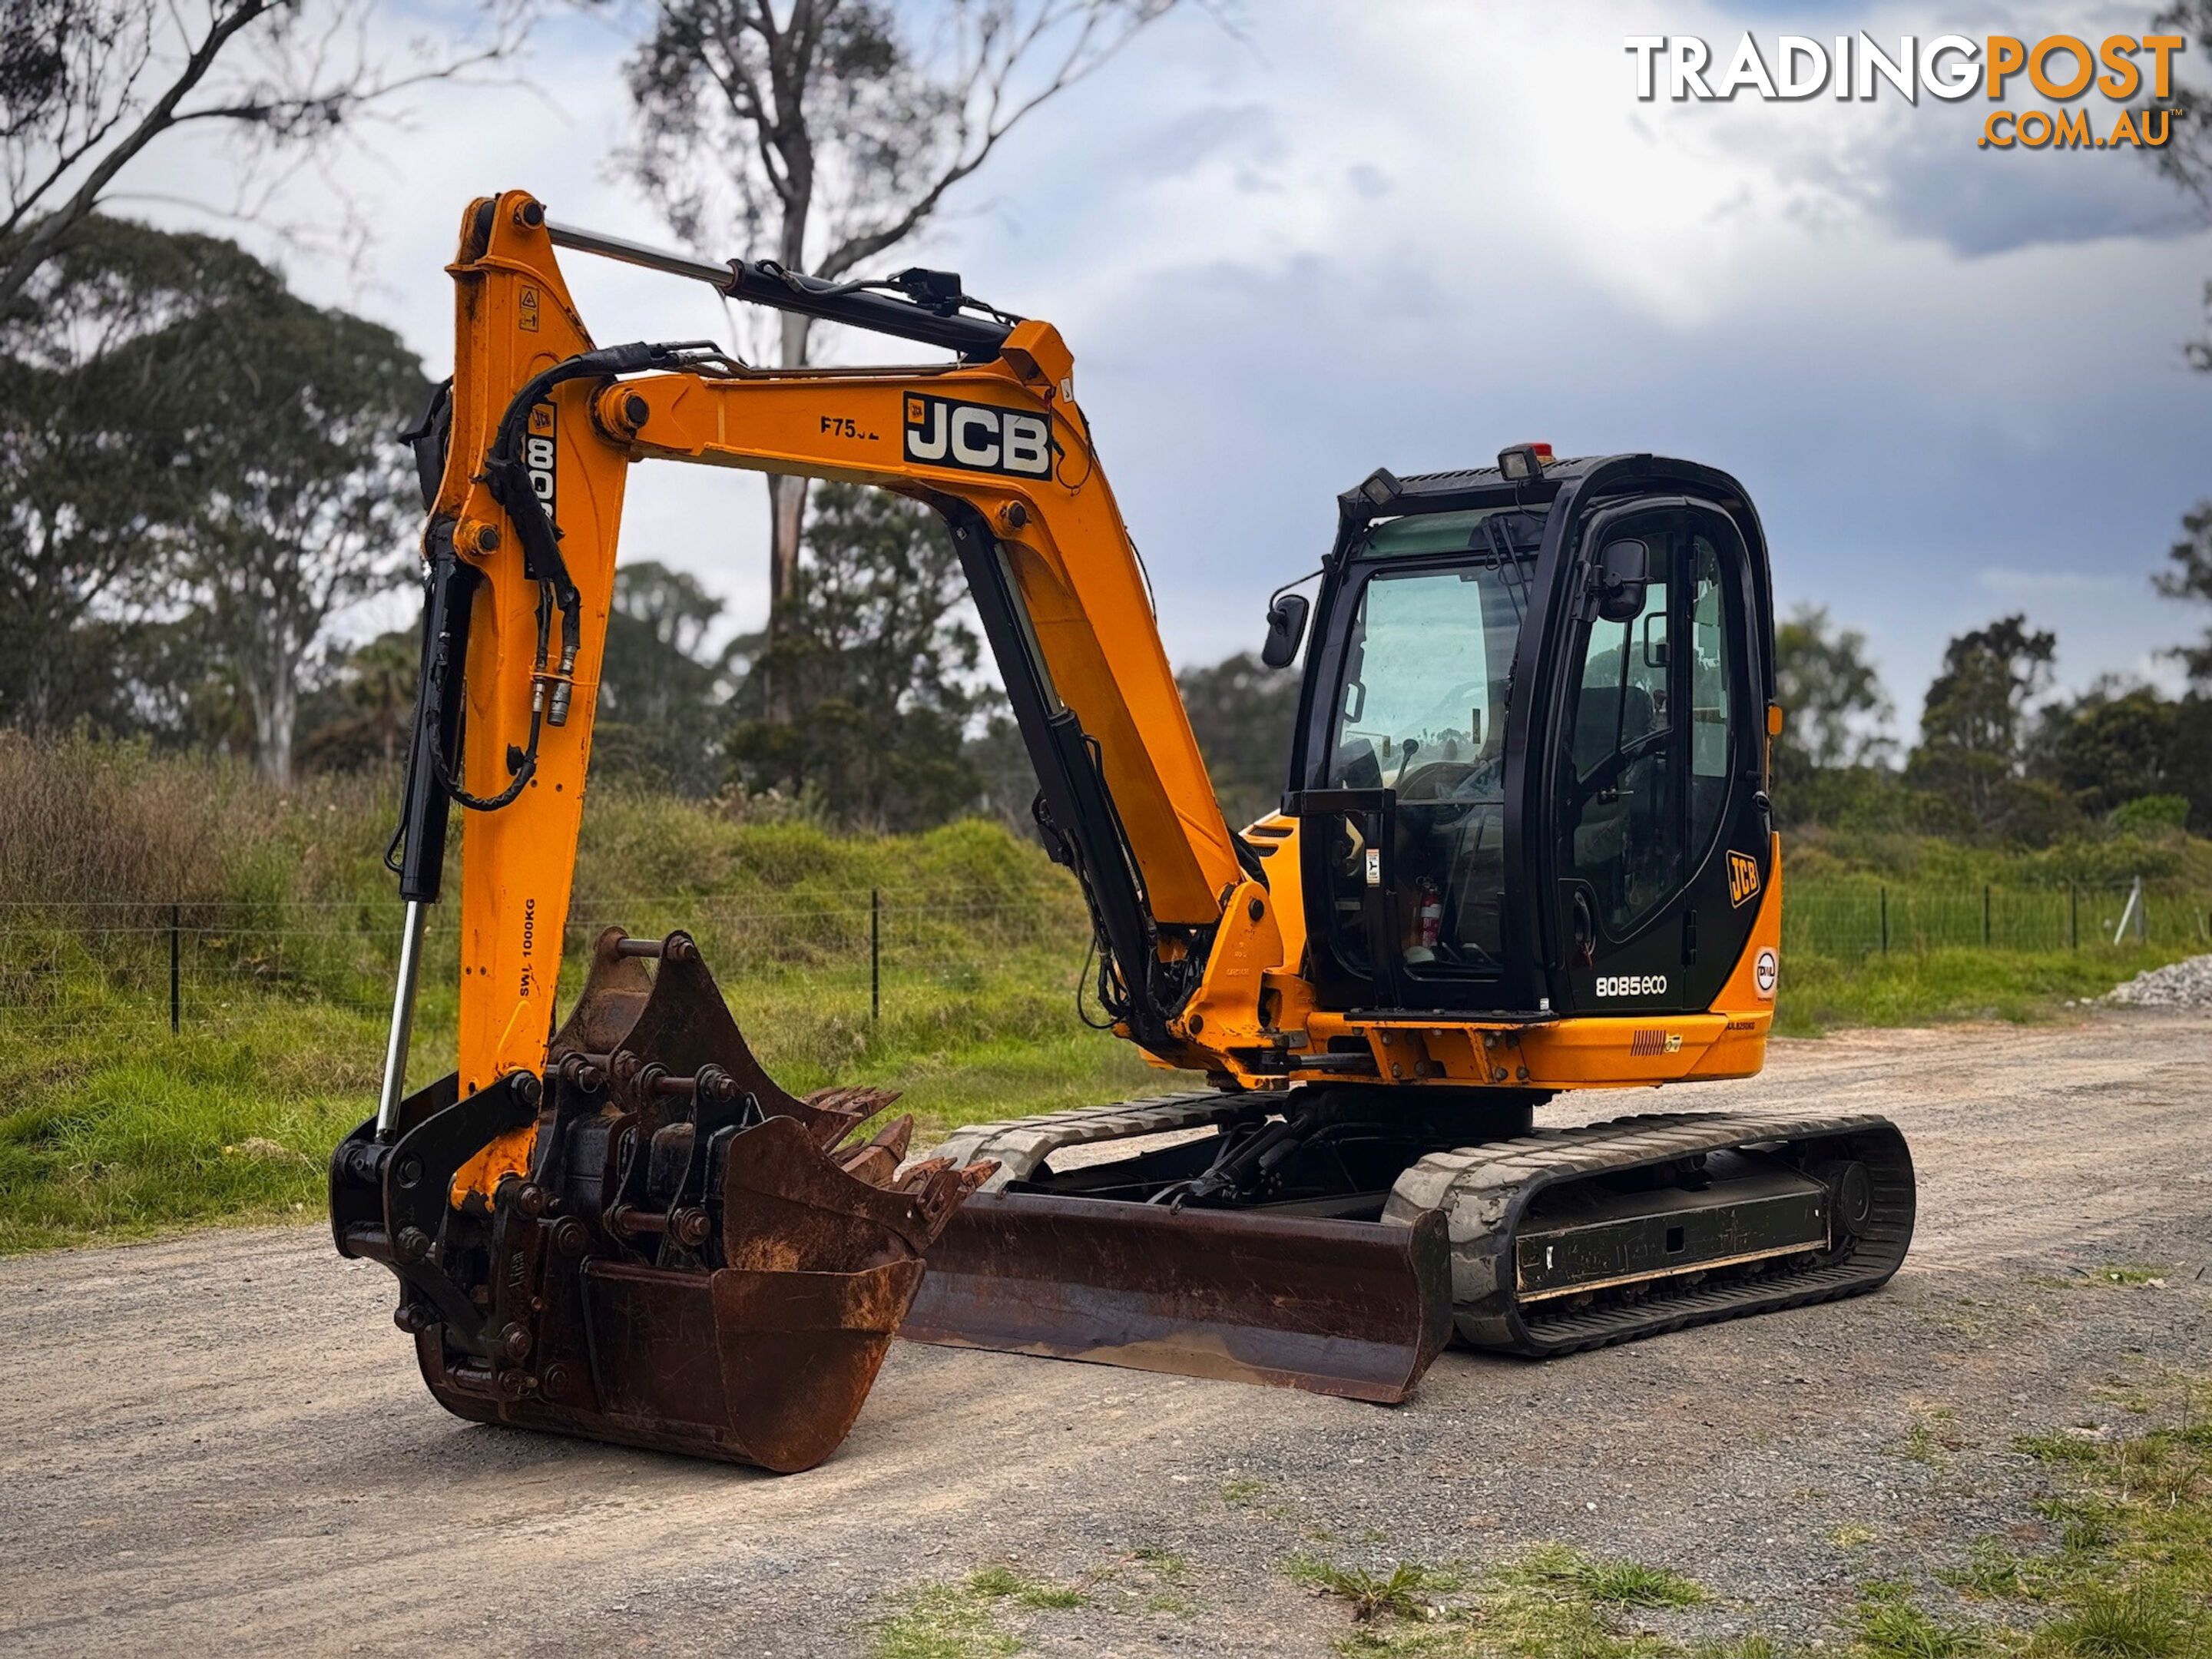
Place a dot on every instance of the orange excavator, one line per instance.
(1524, 847)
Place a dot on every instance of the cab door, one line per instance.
(1659, 816)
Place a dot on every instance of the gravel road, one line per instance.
(219, 1441)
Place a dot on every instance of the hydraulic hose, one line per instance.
(507, 475)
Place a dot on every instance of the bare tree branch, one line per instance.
(86, 86)
(832, 131)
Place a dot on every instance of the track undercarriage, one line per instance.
(1334, 1239)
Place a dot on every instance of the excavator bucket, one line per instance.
(693, 1259)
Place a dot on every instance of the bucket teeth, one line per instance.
(895, 1137)
(697, 1260)
(874, 1165)
(878, 1162)
(915, 1173)
(860, 1099)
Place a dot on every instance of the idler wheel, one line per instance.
(1850, 1195)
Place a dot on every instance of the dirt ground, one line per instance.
(220, 1440)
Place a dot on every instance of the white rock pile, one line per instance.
(2179, 985)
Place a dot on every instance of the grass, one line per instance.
(2138, 1621)
(2128, 1577)
(1957, 982)
(1551, 1603)
(1374, 1595)
(105, 1142)
(2131, 1579)
(1169, 1564)
(112, 1128)
(963, 1620)
(943, 1621)
(1889, 1625)
(1004, 1584)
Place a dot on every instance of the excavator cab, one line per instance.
(1529, 760)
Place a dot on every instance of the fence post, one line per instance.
(2073, 917)
(1885, 921)
(2132, 911)
(1985, 916)
(875, 953)
(176, 1005)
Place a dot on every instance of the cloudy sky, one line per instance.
(1405, 233)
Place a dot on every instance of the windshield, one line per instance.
(1428, 674)
(1428, 662)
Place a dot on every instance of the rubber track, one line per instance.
(1021, 1145)
(1486, 1190)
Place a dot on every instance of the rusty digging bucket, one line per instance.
(690, 1259)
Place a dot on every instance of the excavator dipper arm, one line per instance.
(544, 426)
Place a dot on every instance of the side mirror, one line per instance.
(1286, 626)
(1623, 568)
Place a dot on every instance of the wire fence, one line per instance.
(1858, 919)
(68, 970)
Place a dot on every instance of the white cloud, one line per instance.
(2053, 584)
(1407, 233)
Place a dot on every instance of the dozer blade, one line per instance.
(1332, 1307)
(690, 1263)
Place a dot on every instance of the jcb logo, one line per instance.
(1743, 878)
(977, 437)
(538, 455)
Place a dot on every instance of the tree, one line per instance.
(1241, 713)
(2190, 579)
(829, 132)
(360, 712)
(96, 353)
(2190, 760)
(88, 86)
(1000, 758)
(303, 504)
(877, 661)
(1973, 728)
(1832, 696)
(662, 713)
(2108, 747)
(2186, 156)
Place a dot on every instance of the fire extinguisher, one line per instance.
(1431, 914)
